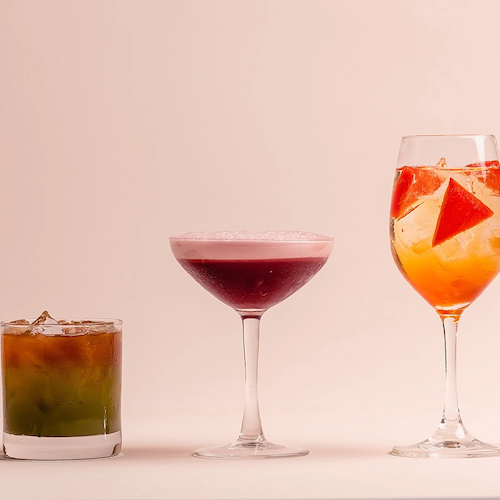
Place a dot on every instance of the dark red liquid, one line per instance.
(253, 284)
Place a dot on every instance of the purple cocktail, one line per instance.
(251, 272)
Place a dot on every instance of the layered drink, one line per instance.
(62, 388)
(252, 271)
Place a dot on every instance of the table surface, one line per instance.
(161, 470)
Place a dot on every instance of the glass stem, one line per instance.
(451, 427)
(251, 427)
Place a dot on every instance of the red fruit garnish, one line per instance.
(413, 182)
(492, 163)
(490, 176)
(460, 211)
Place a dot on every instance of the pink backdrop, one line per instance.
(125, 122)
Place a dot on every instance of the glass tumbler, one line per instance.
(61, 388)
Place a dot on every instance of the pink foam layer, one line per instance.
(245, 245)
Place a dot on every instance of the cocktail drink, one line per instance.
(251, 272)
(445, 236)
(62, 388)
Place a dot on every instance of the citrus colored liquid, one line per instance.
(61, 385)
(253, 284)
(452, 274)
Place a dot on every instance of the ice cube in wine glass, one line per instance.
(419, 224)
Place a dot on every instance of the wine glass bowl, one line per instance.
(251, 272)
(445, 240)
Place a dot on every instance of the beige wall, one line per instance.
(125, 122)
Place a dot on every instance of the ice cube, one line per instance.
(488, 245)
(45, 319)
(45, 324)
(442, 163)
(456, 247)
(82, 327)
(419, 224)
(495, 244)
(464, 238)
(448, 251)
(20, 322)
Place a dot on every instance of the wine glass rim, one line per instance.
(446, 136)
(246, 237)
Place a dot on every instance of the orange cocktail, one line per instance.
(445, 231)
(445, 239)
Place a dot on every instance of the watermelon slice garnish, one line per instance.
(460, 211)
(412, 183)
(491, 176)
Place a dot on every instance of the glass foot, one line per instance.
(251, 450)
(430, 448)
(62, 448)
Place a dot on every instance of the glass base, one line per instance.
(470, 448)
(250, 450)
(62, 448)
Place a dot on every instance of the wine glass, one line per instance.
(251, 272)
(445, 238)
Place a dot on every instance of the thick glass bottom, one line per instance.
(430, 448)
(62, 448)
(250, 450)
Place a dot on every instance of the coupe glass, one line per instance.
(445, 237)
(251, 272)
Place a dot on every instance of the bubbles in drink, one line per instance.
(252, 236)
(238, 245)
